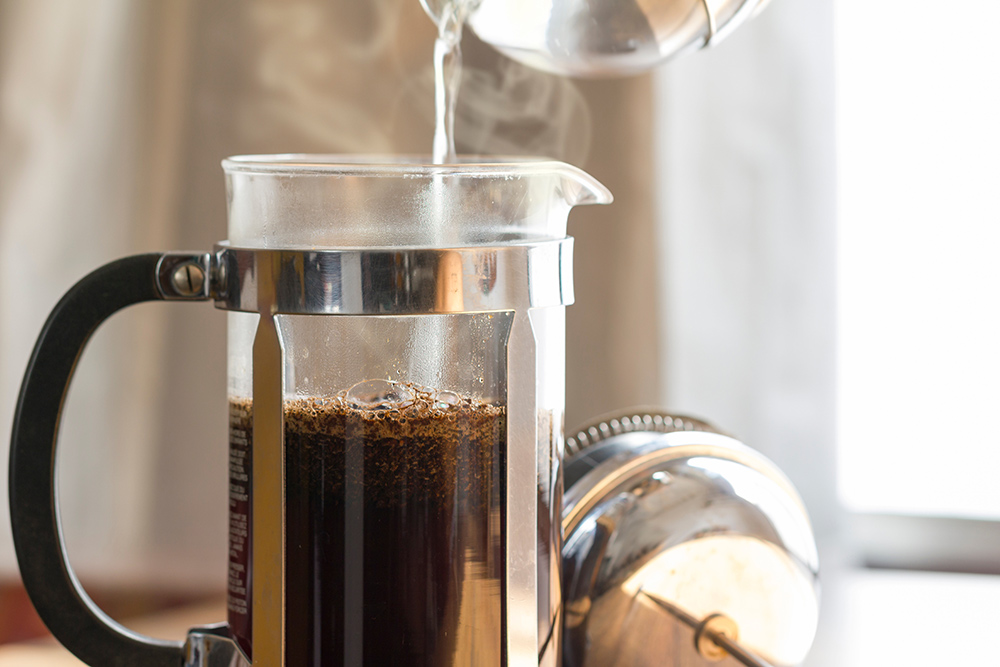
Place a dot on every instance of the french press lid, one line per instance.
(682, 546)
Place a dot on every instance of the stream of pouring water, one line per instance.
(447, 77)
(449, 15)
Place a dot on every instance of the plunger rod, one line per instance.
(702, 628)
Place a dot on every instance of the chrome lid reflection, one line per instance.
(680, 541)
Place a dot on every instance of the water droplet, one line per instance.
(379, 395)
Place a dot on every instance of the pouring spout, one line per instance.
(579, 188)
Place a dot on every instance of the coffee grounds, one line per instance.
(408, 453)
(391, 511)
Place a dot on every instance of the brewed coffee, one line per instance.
(394, 529)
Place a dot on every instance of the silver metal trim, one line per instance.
(646, 420)
(521, 561)
(187, 276)
(211, 646)
(710, 13)
(268, 631)
(398, 281)
(599, 484)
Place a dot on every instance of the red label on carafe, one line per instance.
(240, 435)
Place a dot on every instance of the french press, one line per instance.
(396, 371)
(396, 392)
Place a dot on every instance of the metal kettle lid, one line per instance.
(682, 544)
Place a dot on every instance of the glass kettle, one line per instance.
(597, 38)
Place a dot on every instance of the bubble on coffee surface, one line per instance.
(380, 395)
(442, 400)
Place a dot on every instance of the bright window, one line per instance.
(918, 87)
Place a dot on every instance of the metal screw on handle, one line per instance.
(715, 637)
(188, 279)
(187, 276)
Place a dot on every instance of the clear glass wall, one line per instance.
(422, 452)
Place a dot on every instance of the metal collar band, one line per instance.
(398, 281)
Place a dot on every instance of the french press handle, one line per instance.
(57, 595)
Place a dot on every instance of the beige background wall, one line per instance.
(114, 117)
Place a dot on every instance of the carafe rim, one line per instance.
(591, 191)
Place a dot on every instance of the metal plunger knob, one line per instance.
(715, 637)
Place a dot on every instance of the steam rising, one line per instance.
(357, 77)
(307, 83)
(515, 110)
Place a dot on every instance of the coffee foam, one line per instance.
(424, 449)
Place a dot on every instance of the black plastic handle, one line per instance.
(61, 602)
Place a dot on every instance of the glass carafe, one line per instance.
(396, 396)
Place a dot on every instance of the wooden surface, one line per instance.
(171, 624)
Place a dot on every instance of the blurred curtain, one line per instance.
(114, 116)
(91, 115)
